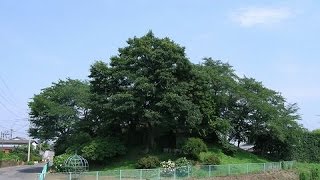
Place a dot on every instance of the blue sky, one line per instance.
(275, 42)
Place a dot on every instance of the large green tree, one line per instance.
(144, 87)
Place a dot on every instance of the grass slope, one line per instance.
(129, 160)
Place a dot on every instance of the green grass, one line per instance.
(129, 160)
(306, 167)
(239, 157)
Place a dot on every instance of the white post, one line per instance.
(247, 168)
(29, 149)
(140, 174)
(159, 173)
(209, 170)
(174, 175)
(97, 175)
(229, 170)
(70, 176)
(120, 175)
(264, 167)
(188, 171)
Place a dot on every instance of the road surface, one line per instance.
(25, 172)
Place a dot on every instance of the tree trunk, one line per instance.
(150, 138)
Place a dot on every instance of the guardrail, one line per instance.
(42, 175)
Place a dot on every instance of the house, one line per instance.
(8, 145)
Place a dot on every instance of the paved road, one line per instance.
(26, 172)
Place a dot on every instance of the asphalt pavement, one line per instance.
(25, 172)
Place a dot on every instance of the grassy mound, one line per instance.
(129, 160)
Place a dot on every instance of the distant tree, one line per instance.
(57, 109)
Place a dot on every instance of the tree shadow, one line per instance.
(31, 169)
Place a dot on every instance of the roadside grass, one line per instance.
(307, 170)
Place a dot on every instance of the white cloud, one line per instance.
(248, 17)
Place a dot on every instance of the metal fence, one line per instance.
(198, 171)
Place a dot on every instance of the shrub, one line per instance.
(315, 173)
(58, 162)
(148, 162)
(30, 163)
(182, 166)
(304, 176)
(167, 168)
(229, 149)
(193, 146)
(209, 158)
(183, 161)
(102, 149)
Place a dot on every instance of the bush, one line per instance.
(168, 168)
(229, 149)
(209, 158)
(58, 162)
(304, 176)
(193, 146)
(315, 173)
(182, 167)
(36, 158)
(30, 163)
(183, 161)
(102, 149)
(148, 162)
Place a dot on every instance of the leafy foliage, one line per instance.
(150, 90)
(56, 110)
(211, 160)
(58, 162)
(103, 148)
(193, 147)
(148, 162)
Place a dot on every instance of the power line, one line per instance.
(9, 110)
(9, 97)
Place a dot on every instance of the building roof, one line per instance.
(16, 142)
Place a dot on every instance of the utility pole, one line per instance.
(29, 149)
(11, 130)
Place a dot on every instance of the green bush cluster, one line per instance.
(148, 162)
(58, 162)
(182, 166)
(209, 158)
(193, 146)
(229, 149)
(103, 148)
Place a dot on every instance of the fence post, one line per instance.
(70, 176)
(280, 167)
(140, 174)
(120, 174)
(209, 170)
(264, 167)
(174, 174)
(159, 173)
(247, 168)
(97, 175)
(229, 170)
(188, 171)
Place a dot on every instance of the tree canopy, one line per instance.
(151, 95)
